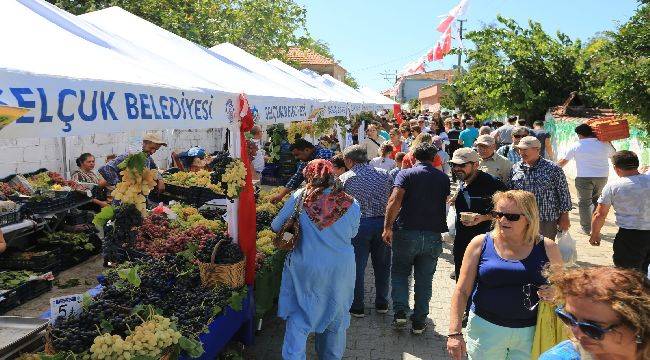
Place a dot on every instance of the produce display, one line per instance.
(146, 309)
(264, 242)
(50, 180)
(298, 130)
(188, 216)
(186, 179)
(13, 279)
(156, 237)
(229, 175)
(137, 182)
(277, 134)
(227, 253)
(75, 242)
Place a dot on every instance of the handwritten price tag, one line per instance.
(65, 306)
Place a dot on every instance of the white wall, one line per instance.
(29, 154)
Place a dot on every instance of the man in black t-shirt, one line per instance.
(474, 196)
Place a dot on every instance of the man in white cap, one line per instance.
(151, 142)
(474, 196)
(491, 162)
(547, 181)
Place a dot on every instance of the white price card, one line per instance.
(65, 306)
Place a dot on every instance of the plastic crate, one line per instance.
(8, 300)
(10, 217)
(33, 289)
(41, 263)
(610, 128)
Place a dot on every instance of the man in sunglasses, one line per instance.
(510, 151)
(474, 196)
(547, 181)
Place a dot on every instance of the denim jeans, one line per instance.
(368, 242)
(417, 250)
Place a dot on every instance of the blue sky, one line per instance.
(373, 37)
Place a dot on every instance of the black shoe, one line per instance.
(399, 320)
(357, 313)
(381, 309)
(452, 275)
(418, 327)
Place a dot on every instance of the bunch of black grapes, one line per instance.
(227, 253)
(263, 220)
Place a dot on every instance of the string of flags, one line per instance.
(443, 45)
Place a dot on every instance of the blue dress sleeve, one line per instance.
(562, 351)
(284, 213)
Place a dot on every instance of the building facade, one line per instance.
(309, 59)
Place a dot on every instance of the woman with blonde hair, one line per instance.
(607, 310)
(506, 266)
(409, 158)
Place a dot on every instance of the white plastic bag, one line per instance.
(451, 221)
(567, 247)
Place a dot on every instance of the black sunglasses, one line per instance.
(592, 330)
(453, 165)
(509, 217)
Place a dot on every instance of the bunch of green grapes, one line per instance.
(235, 178)
(150, 340)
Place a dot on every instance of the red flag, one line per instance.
(247, 218)
(437, 52)
(430, 55)
(397, 111)
(445, 23)
(446, 42)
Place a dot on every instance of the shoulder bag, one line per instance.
(289, 235)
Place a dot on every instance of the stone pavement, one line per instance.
(373, 337)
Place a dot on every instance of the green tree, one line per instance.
(516, 70)
(625, 73)
(350, 81)
(264, 28)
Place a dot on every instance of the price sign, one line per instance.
(65, 306)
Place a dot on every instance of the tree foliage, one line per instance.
(515, 70)
(264, 28)
(625, 69)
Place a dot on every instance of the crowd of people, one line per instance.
(387, 198)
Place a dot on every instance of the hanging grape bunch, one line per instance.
(137, 182)
(264, 219)
(229, 175)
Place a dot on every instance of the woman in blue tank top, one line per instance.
(502, 271)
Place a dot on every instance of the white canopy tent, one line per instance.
(382, 100)
(76, 80)
(356, 100)
(335, 110)
(243, 58)
(273, 102)
(370, 102)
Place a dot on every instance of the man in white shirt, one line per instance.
(629, 195)
(592, 165)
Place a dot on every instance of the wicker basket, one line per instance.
(610, 128)
(230, 275)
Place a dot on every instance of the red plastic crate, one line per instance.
(610, 128)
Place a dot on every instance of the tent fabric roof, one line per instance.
(275, 102)
(72, 74)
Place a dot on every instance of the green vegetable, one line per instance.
(102, 217)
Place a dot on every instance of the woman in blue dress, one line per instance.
(318, 277)
(607, 310)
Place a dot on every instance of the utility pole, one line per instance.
(460, 38)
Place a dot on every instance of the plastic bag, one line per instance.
(451, 221)
(567, 247)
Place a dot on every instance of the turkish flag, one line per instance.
(247, 217)
(430, 55)
(437, 52)
(446, 23)
(446, 42)
(397, 111)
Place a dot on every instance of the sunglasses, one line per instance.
(591, 330)
(454, 165)
(509, 217)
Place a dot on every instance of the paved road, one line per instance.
(373, 338)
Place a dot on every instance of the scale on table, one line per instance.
(20, 334)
